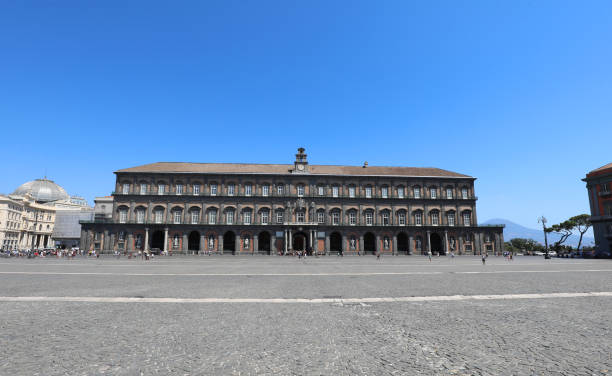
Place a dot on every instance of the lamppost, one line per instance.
(543, 220)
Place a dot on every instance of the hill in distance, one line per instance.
(514, 230)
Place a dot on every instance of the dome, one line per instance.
(42, 190)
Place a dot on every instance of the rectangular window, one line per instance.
(400, 192)
(369, 218)
(212, 217)
(195, 217)
(143, 189)
(159, 216)
(247, 217)
(335, 191)
(279, 189)
(604, 187)
(351, 192)
(466, 219)
(352, 218)
(140, 215)
(300, 190)
(418, 219)
(401, 219)
(177, 217)
(321, 190)
(248, 190)
(230, 189)
(279, 217)
(449, 193)
(264, 217)
(300, 217)
(229, 217)
(417, 192)
(464, 193)
(265, 190)
(179, 189)
(368, 192)
(213, 189)
(321, 217)
(126, 189)
(196, 189)
(123, 216)
(385, 219)
(435, 219)
(161, 189)
(451, 219)
(433, 193)
(335, 218)
(385, 192)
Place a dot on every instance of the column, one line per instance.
(220, 244)
(460, 243)
(290, 232)
(327, 243)
(130, 242)
(446, 242)
(165, 239)
(343, 243)
(237, 246)
(255, 243)
(146, 239)
(202, 243)
(377, 244)
(106, 244)
(273, 243)
(428, 241)
(395, 245)
(285, 249)
(361, 248)
(83, 241)
(410, 246)
(315, 245)
(185, 243)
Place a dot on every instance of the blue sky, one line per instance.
(515, 93)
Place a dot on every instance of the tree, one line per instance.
(527, 245)
(564, 229)
(582, 225)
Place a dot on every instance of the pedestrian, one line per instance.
(378, 255)
(452, 255)
(429, 255)
(484, 258)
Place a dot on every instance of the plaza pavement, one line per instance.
(192, 315)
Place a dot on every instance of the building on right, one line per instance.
(599, 187)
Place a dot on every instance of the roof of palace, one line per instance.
(601, 170)
(286, 169)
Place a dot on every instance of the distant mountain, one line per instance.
(514, 230)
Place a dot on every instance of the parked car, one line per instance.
(552, 253)
(539, 253)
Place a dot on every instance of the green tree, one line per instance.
(582, 225)
(564, 229)
(527, 245)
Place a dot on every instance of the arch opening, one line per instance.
(193, 243)
(369, 243)
(229, 242)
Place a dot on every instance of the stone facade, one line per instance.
(24, 223)
(599, 187)
(277, 209)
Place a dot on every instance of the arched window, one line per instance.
(195, 216)
(467, 218)
(320, 216)
(434, 217)
(385, 217)
(123, 214)
(159, 214)
(418, 218)
(450, 218)
(140, 215)
(369, 217)
(247, 216)
(265, 216)
(229, 216)
(176, 216)
(352, 217)
(280, 216)
(401, 217)
(300, 215)
(335, 216)
(212, 216)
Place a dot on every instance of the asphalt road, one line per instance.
(329, 315)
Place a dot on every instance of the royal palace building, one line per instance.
(282, 208)
(599, 187)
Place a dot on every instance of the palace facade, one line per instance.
(599, 187)
(279, 208)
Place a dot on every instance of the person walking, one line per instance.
(484, 258)
(429, 255)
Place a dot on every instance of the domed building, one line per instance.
(42, 191)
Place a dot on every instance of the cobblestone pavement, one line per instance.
(555, 336)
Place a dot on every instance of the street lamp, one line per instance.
(543, 220)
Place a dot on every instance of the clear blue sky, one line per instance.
(515, 93)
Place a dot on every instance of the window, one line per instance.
(280, 189)
(351, 192)
(449, 193)
(433, 193)
(246, 216)
(265, 190)
(143, 189)
(604, 187)
(248, 190)
(230, 189)
(385, 218)
(321, 190)
(176, 239)
(466, 219)
(321, 217)
(352, 218)
(140, 216)
(401, 219)
(335, 218)
(196, 189)
(400, 192)
(417, 192)
(179, 189)
(195, 216)
(418, 218)
(126, 189)
(122, 216)
(213, 189)
(300, 216)
(368, 192)
(435, 218)
(300, 190)
(451, 219)
(264, 217)
(212, 217)
(369, 216)
(229, 217)
(385, 192)
(335, 191)
(279, 217)
(177, 217)
(161, 189)
(464, 193)
(159, 216)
